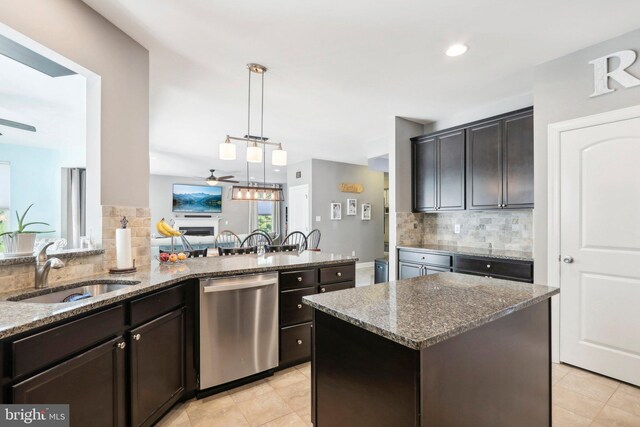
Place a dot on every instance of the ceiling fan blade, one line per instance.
(225, 177)
(17, 125)
(229, 181)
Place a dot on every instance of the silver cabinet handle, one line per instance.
(299, 305)
(323, 290)
(339, 274)
(299, 342)
(136, 337)
(121, 345)
(567, 259)
(299, 279)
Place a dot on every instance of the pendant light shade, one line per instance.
(227, 150)
(254, 153)
(279, 157)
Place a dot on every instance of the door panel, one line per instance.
(299, 208)
(518, 162)
(600, 289)
(451, 174)
(407, 271)
(424, 175)
(484, 168)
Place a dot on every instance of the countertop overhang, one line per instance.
(424, 311)
(18, 317)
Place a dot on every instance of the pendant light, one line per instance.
(227, 150)
(279, 156)
(254, 153)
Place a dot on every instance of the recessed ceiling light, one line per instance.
(276, 170)
(457, 49)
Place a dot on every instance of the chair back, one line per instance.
(237, 251)
(256, 238)
(296, 238)
(197, 253)
(227, 239)
(313, 239)
(281, 248)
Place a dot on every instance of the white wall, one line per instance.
(561, 92)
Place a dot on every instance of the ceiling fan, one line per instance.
(214, 180)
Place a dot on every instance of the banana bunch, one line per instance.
(166, 230)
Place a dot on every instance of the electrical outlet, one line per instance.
(318, 218)
(226, 223)
(456, 229)
(353, 253)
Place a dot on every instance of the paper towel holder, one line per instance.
(124, 270)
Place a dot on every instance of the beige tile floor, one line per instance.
(580, 398)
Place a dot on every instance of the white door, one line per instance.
(299, 209)
(600, 246)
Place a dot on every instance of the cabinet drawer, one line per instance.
(336, 287)
(297, 279)
(295, 343)
(492, 267)
(292, 310)
(338, 274)
(425, 258)
(36, 351)
(149, 307)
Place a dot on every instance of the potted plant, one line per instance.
(21, 241)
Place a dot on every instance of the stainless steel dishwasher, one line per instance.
(238, 327)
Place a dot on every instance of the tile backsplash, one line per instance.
(506, 229)
(139, 223)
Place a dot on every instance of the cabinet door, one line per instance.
(451, 173)
(484, 167)
(424, 175)
(518, 162)
(292, 310)
(157, 366)
(92, 383)
(407, 270)
(435, 270)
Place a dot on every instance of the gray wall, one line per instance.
(561, 92)
(74, 30)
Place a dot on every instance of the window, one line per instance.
(265, 216)
(5, 199)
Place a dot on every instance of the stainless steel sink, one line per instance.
(77, 292)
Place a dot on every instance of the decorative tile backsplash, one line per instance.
(506, 229)
(139, 223)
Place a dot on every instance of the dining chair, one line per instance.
(257, 238)
(313, 240)
(237, 251)
(227, 239)
(296, 238)
(281, 248)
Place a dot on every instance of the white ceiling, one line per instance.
(56, 106)
(339, 71)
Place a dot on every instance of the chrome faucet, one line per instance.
(43, 265)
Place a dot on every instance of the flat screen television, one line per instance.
(189, 198)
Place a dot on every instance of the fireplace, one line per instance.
(198, 231)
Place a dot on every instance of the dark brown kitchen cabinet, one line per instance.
(439, 172)
(407, 270)
(157, 360)
(92, 384)
(500, 163)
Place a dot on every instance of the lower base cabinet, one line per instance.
(157, 361)
(92, 383)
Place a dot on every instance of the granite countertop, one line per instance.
(424, 311)
(482, 252)
(17, 317)
(65, 254)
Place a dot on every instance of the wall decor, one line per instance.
(336, 211)
(352, 206)
(601, 72)
(345, 187)
(366, 211)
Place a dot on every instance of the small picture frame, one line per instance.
(336, 211)
(366, 211)
(352, 206)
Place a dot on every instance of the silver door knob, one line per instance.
(136, 337)
(339, 274)
(323, 290)
(488, 265)
(299, 342)
(299, 305)
(299, 279)
(121, 345)
(567, 259)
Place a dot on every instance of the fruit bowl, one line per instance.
(172, 258)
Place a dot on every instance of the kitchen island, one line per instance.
(440, 350)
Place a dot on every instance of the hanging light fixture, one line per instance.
(254, 153)
(279, 156)
(227, 150)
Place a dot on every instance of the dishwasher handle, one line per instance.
(234, 287)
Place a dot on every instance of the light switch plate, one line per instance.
(318, 218)
(456, 229)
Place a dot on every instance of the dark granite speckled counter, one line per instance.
(423, 311)
(479, 252)
(18, 317)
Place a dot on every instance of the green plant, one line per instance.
(22, 226)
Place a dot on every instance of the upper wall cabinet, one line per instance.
(500, 163)
(439, 172)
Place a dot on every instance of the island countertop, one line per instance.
(424, 311)
(18, 317)
(479, 252)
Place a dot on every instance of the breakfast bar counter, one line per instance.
(439, 350)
